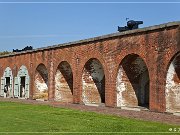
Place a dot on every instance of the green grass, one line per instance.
(17, 117)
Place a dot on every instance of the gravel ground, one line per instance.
(141, 115)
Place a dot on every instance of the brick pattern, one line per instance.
(64, 83)
(93, 83)
(173, 85)
(155, 47)
(133, 82)
(41, 83)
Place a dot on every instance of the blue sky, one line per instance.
(46, 24)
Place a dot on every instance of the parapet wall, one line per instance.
(133, 68)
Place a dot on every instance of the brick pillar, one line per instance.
(110, 91)
(157, 88)
(31, 76)
(76, 81)
(110, 82)
(51, 87)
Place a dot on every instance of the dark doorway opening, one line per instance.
(22, 86)
(7, 85)
(8, 81)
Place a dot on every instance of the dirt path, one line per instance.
(142, 115)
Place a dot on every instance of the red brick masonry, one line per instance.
(154, 48)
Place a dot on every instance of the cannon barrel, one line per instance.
(139, 22)
(131, 24)
(120, 29)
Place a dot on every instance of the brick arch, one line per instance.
(41, 82)
(121, 56)
(7, 68)
(132, 81)
(93, 82)
(63, 82)
(4, 68)
(16, 69)
(59, 61)
(172, 84)
(22, 67)
(169, 60)
(37, 64)
(7, 80)
(82, 63)
(104, 65)
(21, 82)
(93, 55)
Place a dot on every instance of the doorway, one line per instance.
(7, 85)
(8, 81)
(22, 86)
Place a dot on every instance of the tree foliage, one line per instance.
(5, 53)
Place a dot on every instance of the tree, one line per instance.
(5, 53)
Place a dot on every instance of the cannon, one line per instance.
(24, 49)
(131, 24)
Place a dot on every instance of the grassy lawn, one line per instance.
(17, 117)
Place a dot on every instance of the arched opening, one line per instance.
(21, 83)
(93, 83)
(132, 82)
(6, 83)
(64, 83)
(41, 83)
(172, 90)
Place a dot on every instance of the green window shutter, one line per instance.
(2, 86)
(16, 87)
(27, 87)
(10, 87)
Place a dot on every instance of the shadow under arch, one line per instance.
(64, 83)
(172, 88)
(93, 82)
(41, 83)
(132, 83)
